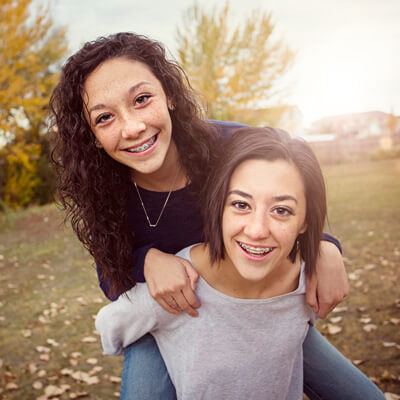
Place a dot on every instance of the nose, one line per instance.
(257, 227)
(132, 128)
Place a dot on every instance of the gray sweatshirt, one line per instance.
(235, 349)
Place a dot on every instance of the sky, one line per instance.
(347, 51)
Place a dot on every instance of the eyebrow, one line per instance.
(130, 91)
(282, 197)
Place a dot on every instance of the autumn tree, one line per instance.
(238, 69)
(31, 48)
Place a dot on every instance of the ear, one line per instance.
(98, 144)
(171, 105)
(303, 228)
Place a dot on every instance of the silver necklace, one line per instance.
(163, 207)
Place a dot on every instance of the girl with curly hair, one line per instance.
(132, 155)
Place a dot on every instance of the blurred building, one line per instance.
(342, 136)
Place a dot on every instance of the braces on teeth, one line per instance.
(143, 147)
(255, 250)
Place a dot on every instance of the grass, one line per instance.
(48, 290)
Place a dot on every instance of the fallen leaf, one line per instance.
(358, 362)
(11, 386)
(89, 339)
(339, 309)
(335, 320)
(53, 391)
(32, 368)
(92, 380)
(333, 329)
(52, 342)
(392, 396)
(37, 385)
(95, 370)
(370, 267)
(26, 333)
(41, 373)
(115, 379)
(370, 327)
(79, 375)
(78, 395)
(352, 276)
(66, 371)
(389, 344)
(75, 354)
(73, 362)
(45, 357)
(395, 321)
(386, 376)
(92, 361)
(365, 320)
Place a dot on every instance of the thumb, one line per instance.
(311, 293)
(192, 274)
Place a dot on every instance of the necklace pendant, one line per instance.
(153, 225)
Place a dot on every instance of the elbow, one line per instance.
(108, 330)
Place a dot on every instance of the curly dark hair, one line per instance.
(93, 187)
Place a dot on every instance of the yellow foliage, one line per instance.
(21, 174)
(30, 50)
(236, 68)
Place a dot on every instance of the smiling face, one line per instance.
(264, 213)
(127, 110)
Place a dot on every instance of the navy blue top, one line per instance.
(180, 225)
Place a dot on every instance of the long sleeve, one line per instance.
(125, 320)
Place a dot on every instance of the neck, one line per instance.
(171, 175)
(224, 277)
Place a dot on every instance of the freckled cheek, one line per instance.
(110, 139)
(231, 226)
(159, 116)
(287, 235)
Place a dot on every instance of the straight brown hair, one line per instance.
(266, 144)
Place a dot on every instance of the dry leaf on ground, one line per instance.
(333, 329)
(370, 327)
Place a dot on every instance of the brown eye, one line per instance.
(142, 99)
(240, 205)
(103, 118)
(282, 211)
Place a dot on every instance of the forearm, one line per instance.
(125, 320)
(329, 238)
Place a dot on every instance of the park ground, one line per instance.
(49, 294)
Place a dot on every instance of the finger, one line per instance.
(324, 310)
(172, 303)
(190, 297)
(311, 293)
(192, 274)
(166, 306)
(184, 305)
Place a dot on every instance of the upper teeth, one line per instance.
(143, 147)
(255, 250)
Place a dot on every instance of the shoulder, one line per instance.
(224, 128)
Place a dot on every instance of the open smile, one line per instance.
(143, 146)
(255, 251)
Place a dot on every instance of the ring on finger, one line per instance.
(172, 303)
